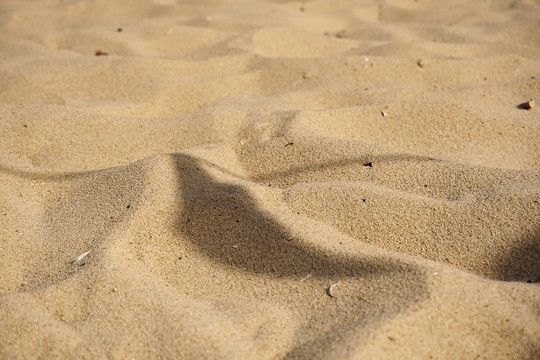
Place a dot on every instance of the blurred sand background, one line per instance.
(327, 179)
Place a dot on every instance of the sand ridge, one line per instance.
(269, 179)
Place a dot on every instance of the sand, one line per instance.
(324, 179)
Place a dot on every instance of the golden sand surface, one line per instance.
(326, 179)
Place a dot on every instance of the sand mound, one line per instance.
(269, 179)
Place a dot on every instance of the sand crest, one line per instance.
(270, 179)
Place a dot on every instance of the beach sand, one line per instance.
(324, 179)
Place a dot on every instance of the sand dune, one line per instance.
(269, 179)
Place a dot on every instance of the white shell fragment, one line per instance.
(80, 257)
(330, 290)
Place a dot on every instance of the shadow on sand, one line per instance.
(227, 225)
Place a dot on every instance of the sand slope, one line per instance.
(269, 179)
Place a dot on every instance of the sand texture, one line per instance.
(327, 179)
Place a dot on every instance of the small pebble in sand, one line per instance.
(341, 34)
(527, 105)
(80, 257)
(330, 290)
(308, 74)
(422, 63)
(101, 53)
(384, 113)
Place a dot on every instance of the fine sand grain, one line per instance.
(324, 179)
